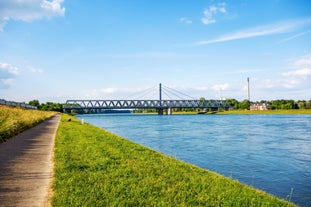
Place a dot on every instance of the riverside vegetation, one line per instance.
(94, 167)
(16, 120)
(266, 112)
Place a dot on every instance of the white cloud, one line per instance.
(209, 13)
(302, 68)
(297, 79)
(7, 74)
(29, 10)
(35, 70)
(271, 29)
(202, 88)
(185, 20)
(290, 83)
(301, 73)
(304, 61)
(220, 87)
(53, 7)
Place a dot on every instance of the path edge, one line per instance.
(48, 198)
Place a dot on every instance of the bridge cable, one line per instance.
(145, 94)
(176, 95)
(167, 94)
(140, 93)
(175, 92)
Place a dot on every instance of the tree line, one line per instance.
(233, 103)
(48, 106)
(274, 104)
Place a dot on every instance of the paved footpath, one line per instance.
(26, 166)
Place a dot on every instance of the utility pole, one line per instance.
(248, 90)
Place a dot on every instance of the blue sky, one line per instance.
(54, 50)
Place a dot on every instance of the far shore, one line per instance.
(281, 111)
(241, 112)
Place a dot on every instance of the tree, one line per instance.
(301, 104)
(35, 103)
(245, 104)
(233, 103)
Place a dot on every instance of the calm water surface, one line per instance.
(269, 152)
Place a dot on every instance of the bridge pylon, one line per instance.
(160, 110)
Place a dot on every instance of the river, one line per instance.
(269, 152)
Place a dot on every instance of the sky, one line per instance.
(55, 50)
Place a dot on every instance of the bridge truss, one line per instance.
(160, 105)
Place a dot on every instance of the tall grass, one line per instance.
(16, 120)
(94, 167)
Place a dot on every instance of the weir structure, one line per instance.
(160, 105)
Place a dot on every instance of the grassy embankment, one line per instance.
(94, 167)
(291, 111)
(16, 120)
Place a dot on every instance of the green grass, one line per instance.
(292, 111)
(16, 120)
(94, 167)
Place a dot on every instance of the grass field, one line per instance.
(16, 120)
(94, 167)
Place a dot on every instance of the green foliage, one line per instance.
(16, 120)
(275, 104)
(233, 103)
(94, 167)
(245, 104)
(281, 111)
(283, 104)
(34, 103)
(48, 106)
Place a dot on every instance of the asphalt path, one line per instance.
(26, 166)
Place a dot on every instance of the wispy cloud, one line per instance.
(295, 36)
(271, 29)
(28, 11)
(185, 20)
(301, 73)
(220, 87)
(210, 12)
(7, 74)
(35, 70)
(296, 79)
(303, 68)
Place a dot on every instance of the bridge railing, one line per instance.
(16, 104)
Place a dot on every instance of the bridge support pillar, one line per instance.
(160, 111)
(169, 111)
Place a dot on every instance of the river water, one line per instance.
(269, 152)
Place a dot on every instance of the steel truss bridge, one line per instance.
(167, 105)
(160, 105)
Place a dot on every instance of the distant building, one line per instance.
(260, 106)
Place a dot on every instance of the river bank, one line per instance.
(291, 111)
(240, 112)
(96, 167)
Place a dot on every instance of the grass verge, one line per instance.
(16, 120)
(94, 167)
(292, 111)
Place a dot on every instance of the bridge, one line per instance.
(160, 105)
